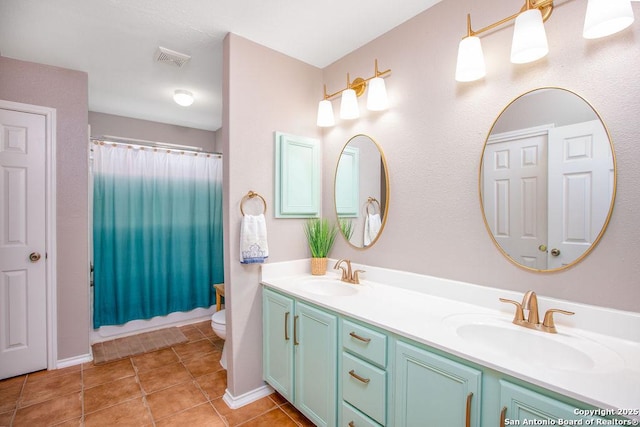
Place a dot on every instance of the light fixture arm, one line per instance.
(545, 7)
(359, 84)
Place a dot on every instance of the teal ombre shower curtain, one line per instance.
(157, 232)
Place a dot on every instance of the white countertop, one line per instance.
(404, 305)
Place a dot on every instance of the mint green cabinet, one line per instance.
(522, 406)
(433, 391)
(300, 355)
(277, 360)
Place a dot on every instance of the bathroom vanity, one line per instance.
(403, 349)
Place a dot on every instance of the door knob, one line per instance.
(34, 257)
(555, 252)
(542, 248)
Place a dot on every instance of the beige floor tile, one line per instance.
(129, 413)
(55, 372)
(214, 384)
(5, 418)
(296, 415)
(50, 412)
(108, 372)
(205, 364)
(192, 333)
(275, 417)
(155, 359)
(166, 376)
(74, 422)
(202, 416)
(278, 399)
(44, 387)
(175, 399)
(110, 394)
(10, 390)
(195, 348)
(235, 417)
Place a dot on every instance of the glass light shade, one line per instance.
(325, 114)
(377, 95)
(349, 105)
(606, 17)
(183, 97)
(529, 38)
(470, 64)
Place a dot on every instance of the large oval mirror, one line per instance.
(361, 191)
(547, 179)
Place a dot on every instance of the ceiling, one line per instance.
(115, 42)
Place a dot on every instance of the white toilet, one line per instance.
(219, 326)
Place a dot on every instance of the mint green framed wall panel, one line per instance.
(278, 343)
(348, 183)
(297, 176)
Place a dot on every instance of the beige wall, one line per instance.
(433, 136)
(127, 127)
(264, 91)
(66, 91)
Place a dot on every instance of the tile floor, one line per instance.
(181, 385)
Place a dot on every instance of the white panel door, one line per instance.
(515, 195)
(23, 321)
(580, 188)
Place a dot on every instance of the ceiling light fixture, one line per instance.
(183, 97)
(376, 98)
(603, 18)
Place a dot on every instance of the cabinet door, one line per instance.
(278, 342)
(432, 391)
(316, 364)
(521, 404)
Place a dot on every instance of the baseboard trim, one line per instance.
(235, 402)
(72, 361)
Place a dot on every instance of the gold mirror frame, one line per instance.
(613, 191)
(383, 205)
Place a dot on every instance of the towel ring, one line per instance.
(371, 202)
(251, 195)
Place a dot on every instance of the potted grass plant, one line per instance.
(320, 236)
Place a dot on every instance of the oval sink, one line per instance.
(560, 351)
(327, 287)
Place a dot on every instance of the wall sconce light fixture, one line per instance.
(183, 97)
(603, 18)
(376, 98)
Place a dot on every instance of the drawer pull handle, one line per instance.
(358, 337)
(503, 416)
(358, 377)
(286, 326)
(352, 424)
(469, 397)
(295, 330)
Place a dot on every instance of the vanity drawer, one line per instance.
(351, 417)
(365, 342)
(364, 387)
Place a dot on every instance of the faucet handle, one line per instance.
(356, 277)
(519, 315)
(548, 324)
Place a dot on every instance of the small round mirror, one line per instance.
(361, 191)
(547, 179)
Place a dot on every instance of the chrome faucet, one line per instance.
(530, 303)
(348, 275)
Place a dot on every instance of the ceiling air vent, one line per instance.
(171, 56)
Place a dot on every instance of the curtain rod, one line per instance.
(147, 143)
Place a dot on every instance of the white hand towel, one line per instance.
(372, 224)
(253, 239)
